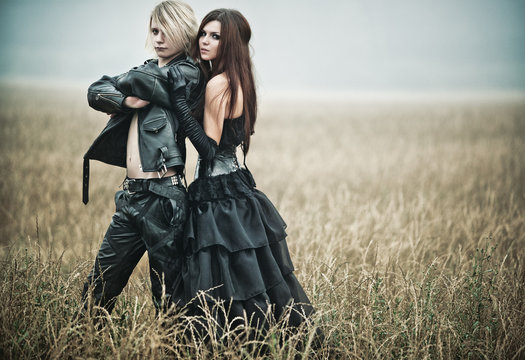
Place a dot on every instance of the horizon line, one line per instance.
(313, 94)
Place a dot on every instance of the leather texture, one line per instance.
(224, 162)
(206, 146)
(161, 144)
(143, 221)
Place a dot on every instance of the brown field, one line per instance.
(406, 224)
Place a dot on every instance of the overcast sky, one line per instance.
(412, 45)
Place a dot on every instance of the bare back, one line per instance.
(216, 106)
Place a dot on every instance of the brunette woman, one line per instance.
(235, 240)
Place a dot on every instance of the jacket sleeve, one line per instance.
(103, 95)
(149, 82)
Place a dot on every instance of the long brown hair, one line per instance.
(233, 59)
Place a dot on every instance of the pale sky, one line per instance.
(412, 45)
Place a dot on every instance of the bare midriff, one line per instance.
(133, 163)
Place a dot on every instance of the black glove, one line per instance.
(205, 145)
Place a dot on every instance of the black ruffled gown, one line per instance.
(235, 244)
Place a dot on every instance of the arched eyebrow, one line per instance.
(211, 33)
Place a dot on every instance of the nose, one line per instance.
(205, 40)
(159, 38)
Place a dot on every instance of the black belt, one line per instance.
(133, 186)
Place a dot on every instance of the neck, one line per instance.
(165, 61)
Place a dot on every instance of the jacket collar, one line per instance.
(176, 59)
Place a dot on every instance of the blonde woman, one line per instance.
(143, 137)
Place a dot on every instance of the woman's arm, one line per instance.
(104, 96)
(215, 106)
(149, 82)
(134, 102)
(205, 140)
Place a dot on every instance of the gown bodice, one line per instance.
(225, 159)
(234, 246)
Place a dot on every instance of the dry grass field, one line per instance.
(406, 224)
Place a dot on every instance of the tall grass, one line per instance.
(406, 224)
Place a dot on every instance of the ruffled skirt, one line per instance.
(236, 255)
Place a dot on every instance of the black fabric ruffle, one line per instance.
(235, 251)
(236, 275)
(261, 311)
(237, 184)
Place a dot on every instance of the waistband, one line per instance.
(169, 187)
(133, 186)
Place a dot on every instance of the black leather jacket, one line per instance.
(161, 144)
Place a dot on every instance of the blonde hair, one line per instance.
(178, 23)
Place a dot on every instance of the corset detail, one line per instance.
(224, 162)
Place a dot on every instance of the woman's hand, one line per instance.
(192, 129)
(135, 102)
(177, 81)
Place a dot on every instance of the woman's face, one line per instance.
(209, 40)
(165, 50)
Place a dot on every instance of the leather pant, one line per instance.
(143, 221)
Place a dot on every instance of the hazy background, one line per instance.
(406, 219)
(407, 45)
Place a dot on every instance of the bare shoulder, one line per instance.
(217, 84)
(215, 103)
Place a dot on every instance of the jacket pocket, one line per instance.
(155, 124)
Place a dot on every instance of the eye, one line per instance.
(155, 31)
(202, 34)
(216, 36)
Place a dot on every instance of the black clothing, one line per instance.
(235, 243)
(143, 221)
(161, 144)
(205, 145)
(150, 213)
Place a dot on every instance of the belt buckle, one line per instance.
(163, 170)
(125, 186)
(175, 180)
